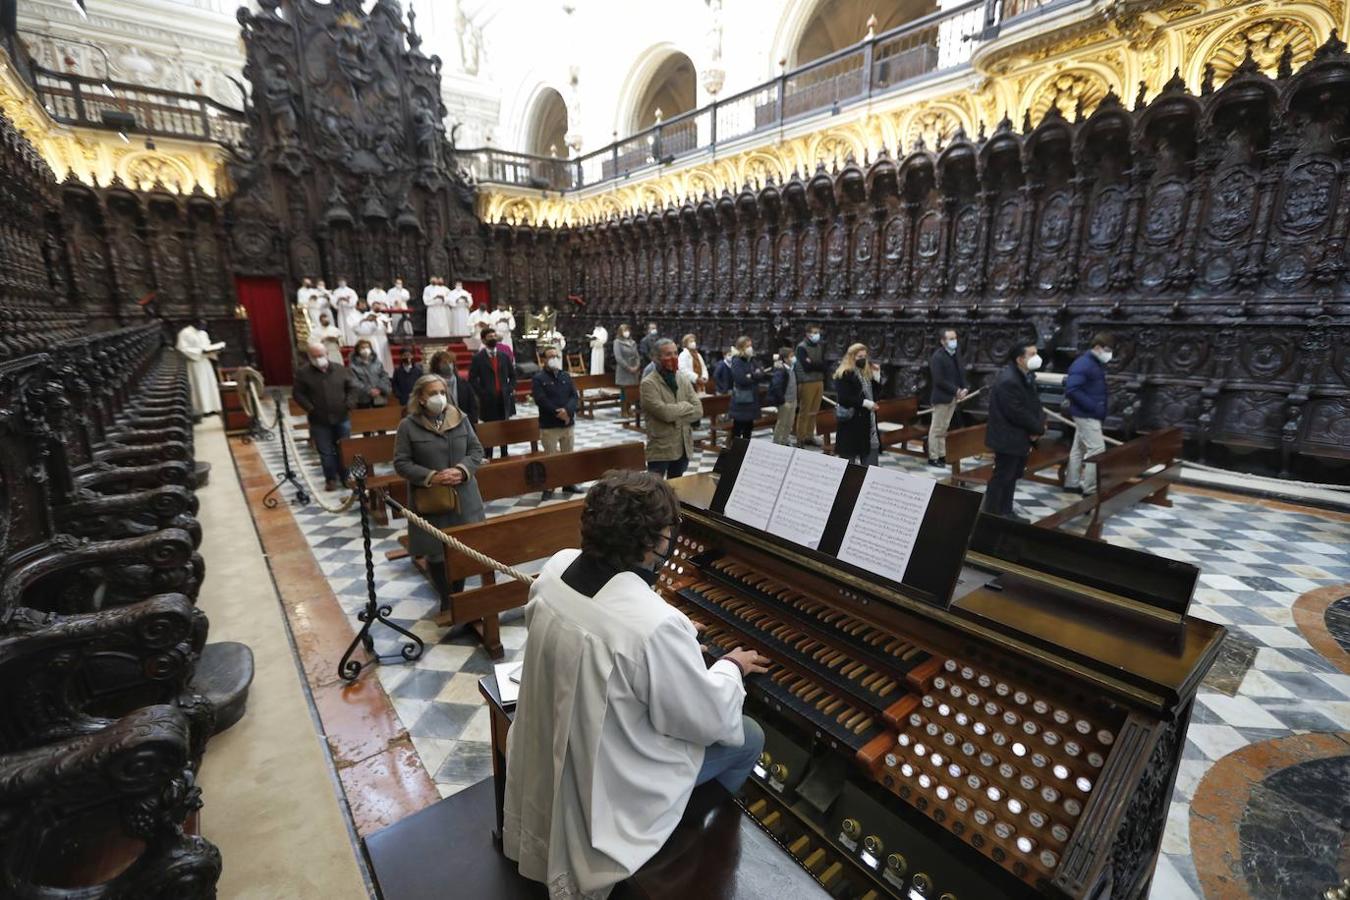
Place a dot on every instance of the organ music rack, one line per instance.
(1021, 740)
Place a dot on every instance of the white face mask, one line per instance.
(951, 345)
(1034, 363)
(554, 363)
(319, 362)
(365, 353)
(749, 352)
(1104, 355)
(435, 404)
(691, 346)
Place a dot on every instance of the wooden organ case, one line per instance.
(1021, 740)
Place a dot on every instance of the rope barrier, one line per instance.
(447, 540)
(257, 412)
(299, 464)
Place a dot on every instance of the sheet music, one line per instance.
(806, 499)
(758, 483)
(506, 687)
(885, 522)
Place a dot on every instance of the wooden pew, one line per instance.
(715, 409)
(900, 410)
(596, 391)
(379, 448)
(374, 420)
(1123, 479)
(963, 443)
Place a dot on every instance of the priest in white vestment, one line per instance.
(618, 717)
(438, 314)
(504, 322)
(330, 336)
(599, 338)
(397, 296)
(461, 301)
(479, 319)
(318, 303)
(376, 295)
(302, 293)
(195, 345)
(344, 312)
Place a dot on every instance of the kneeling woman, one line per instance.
(618, 717)
(437, 451)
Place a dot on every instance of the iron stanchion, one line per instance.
(287, 475)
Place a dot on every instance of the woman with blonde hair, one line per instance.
(437, 451)
(691, 363)
(857, 383)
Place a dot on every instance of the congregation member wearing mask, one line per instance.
(856, 382)
(722, 372)
(1016, 420)
(444, 364)
(370, 376)
(811, 369)
(783, 394)
(948, 375)
(670, 406)
(492, 375)
(327, 392)
(405, 376)
(1085, 387)
(557, 399)
(627, 366)
(746, 376)
(647, 346)
(691, 363)
(436, 450)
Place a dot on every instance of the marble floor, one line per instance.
(1256, 558)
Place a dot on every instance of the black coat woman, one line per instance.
(856, 382)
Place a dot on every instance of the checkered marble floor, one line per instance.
(1254, 561)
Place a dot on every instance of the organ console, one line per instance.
(1019, 737)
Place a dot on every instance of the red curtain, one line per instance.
(270, 321)
(480, 293)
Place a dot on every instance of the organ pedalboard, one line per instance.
(955, 754)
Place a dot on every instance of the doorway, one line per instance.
(270, 320)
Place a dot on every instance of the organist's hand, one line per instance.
(748, 661)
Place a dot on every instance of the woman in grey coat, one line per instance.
(436, 444)
(627, 364)
(370, 376)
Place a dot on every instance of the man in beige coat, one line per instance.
(670, 406)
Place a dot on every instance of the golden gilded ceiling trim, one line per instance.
(95, 157)
(1131, 43)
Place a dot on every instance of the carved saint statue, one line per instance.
(277, 92)
(428, 131)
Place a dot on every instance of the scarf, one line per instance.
(447, 421)
(669, 379)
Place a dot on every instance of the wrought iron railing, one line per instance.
(118, 106)
(939, 43)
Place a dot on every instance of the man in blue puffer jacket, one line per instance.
(1086, 389)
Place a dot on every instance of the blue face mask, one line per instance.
(951, 345)
(813, 338)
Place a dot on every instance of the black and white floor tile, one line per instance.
(1255, 562)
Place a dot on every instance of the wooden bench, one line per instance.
(378, 449)
(964, 443)
(897, 410)
(596, 391)
(1124, 479)
(373, 420)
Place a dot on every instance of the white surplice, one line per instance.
(461, 301)
(318, 303)
(195, 344)
(374, 327)
(345, 314)
(396, 297)
(504, 322)
(438, 316)
(599, 337)
(478, 320)
(616, 709)
(331, 338)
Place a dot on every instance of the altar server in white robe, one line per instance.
(461, 302)
(318, 303)
(504, 322)
(618, 717)
(195, 345)
(302, 293)
(599, 338)
(438, 314)
(330, 336)
(344, 312)
(373, 325)
(397, 296)
(479, 319)
(376, 295)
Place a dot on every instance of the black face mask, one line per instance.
(860, 363)
(661, 558)
(446, 372)
(491, 342)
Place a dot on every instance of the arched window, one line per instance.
(836, 24)
(548, 125)
(672, 90)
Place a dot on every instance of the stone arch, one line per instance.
(810, 29)
(1089, 82)
(546, 124)
(1304, 30)
(661, 74)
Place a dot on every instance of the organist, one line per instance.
(618, 717)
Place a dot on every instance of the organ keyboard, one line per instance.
(1021, 741)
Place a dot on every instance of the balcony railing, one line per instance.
(939, 43)
(95, 103)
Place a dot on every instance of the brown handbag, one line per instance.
(436, 499)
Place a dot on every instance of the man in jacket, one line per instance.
(1086, 389)
(492, 376)
(670, 406)
(811, 369)
(949, 388)
(647, 346)
(405, 376)
(327, 393)
(557, 399)
(1016, 420)
(783, 394)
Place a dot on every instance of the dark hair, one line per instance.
(942, 332)
(784, 352)
(482, 335)
(1104, 339)
(623, 515)
(439, 357)
(1018, 349)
